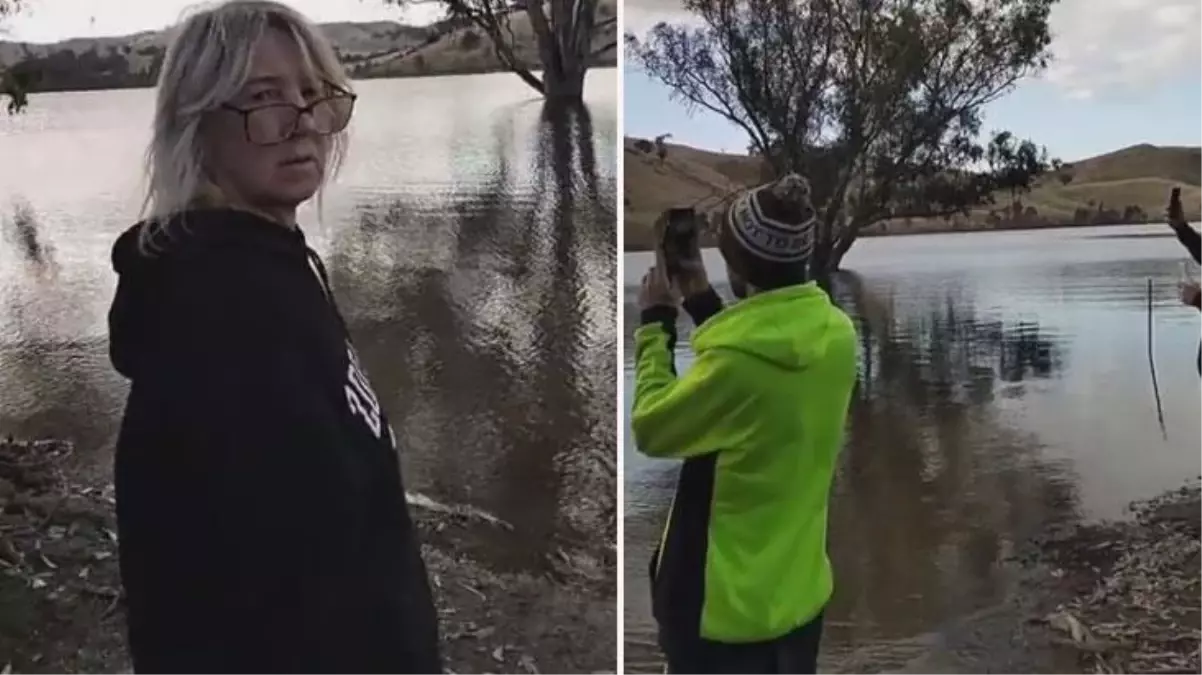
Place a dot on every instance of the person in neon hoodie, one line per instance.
(741, 576)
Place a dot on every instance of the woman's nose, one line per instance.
(304, 122)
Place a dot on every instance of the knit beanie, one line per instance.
(768, 233)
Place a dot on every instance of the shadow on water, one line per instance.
(933, 494)
(36, 405)
(487, 327)
(24, 234)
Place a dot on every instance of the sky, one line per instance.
(54, 20)
(1125, 72)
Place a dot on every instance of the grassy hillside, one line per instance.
(468, 50)
(375, 49)
(1126, 186)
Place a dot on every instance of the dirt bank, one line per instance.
(1128, 590)
(61, 609)
(1103, 597)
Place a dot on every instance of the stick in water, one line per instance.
(1152, 367)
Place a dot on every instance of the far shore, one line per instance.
(604, 64)
(641, 245)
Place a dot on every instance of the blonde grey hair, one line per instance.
(207, 64)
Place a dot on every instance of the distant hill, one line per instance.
(375, 49)
(1131, 185)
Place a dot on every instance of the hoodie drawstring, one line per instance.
(323, 278)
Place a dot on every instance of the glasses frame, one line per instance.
(338, 93)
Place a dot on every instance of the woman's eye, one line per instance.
(265, 95)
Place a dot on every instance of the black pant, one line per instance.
(794, 652)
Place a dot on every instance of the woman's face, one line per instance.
(243, 158)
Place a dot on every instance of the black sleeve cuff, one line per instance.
(703, 305)
(659, 314)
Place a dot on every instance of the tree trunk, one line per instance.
(829, 250)
(564, 46)
(567, 86)
(820, 267)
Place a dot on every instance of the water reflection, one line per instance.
(488, 329)
(946, 348)
(934, 491)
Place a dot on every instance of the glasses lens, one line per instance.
(270, 124)
(276, 123)
(333, 114)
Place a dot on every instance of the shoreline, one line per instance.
(604, 64)
(710, 242)
(1128, 598)
(61, 603)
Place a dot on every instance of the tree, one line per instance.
(10, 7)
(564, 39)
(1015, 165)
(878, 102)
(11, 85)
(1065, 174)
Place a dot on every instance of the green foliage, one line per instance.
(1015, 165)
(878, 102)
(12, 86)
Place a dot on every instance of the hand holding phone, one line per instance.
(680, 250)
(1176, 212)
(680, 240)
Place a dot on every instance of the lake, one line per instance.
(471, 243)
(1004, 388)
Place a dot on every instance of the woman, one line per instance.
(263, 525)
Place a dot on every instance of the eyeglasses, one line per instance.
(275, 123)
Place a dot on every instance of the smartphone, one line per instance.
(680, 238)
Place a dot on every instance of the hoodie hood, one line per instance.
(203, 236)
(789, 327)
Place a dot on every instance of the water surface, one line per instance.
(1004, 386)
(471, 241)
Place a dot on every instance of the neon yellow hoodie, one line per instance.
(759, 421)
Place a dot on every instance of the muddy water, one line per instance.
(471, 248)
(1004, 387)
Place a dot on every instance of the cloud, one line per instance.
(1103, 48)
(1121, 48)
(638, 16)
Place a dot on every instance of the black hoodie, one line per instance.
(262, 521)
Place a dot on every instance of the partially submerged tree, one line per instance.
(11, 86)
(563, 30)
(878, 102)
(9, 7)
